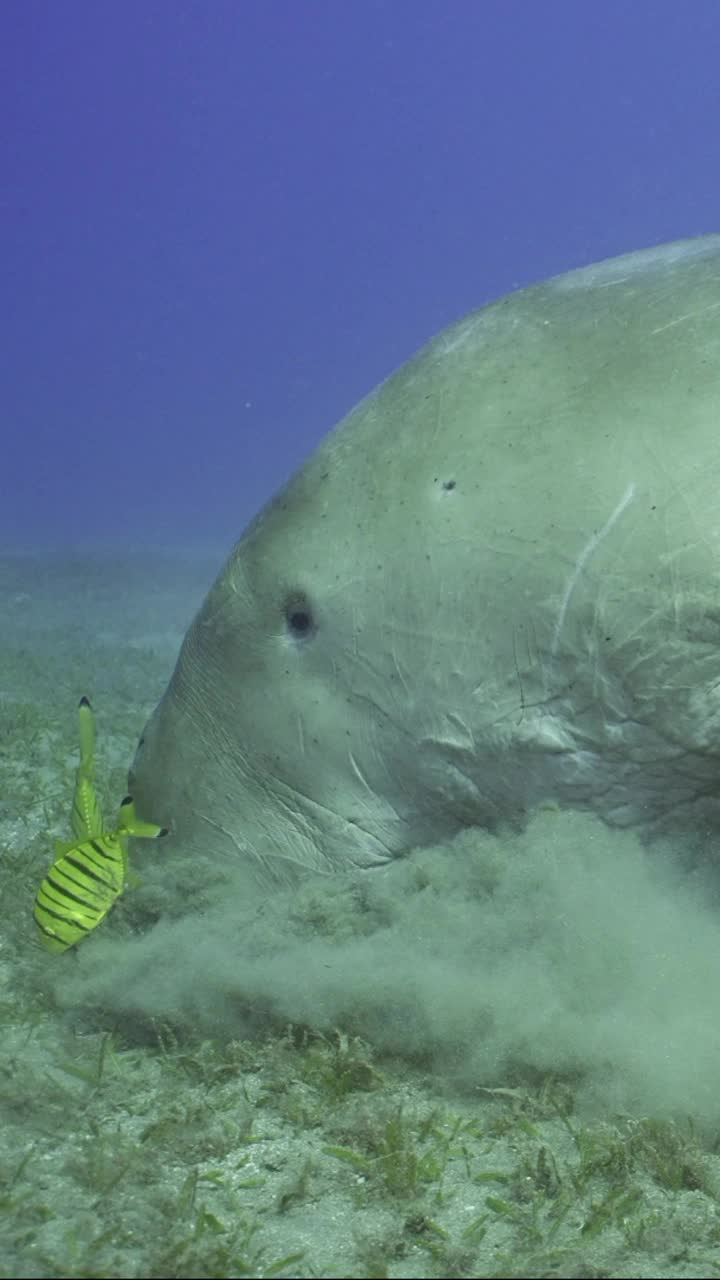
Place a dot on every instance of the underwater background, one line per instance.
(221, 224)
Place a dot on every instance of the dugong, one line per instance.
(495, 585)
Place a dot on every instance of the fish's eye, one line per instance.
(299, 618)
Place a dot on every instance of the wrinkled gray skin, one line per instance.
(507, 564)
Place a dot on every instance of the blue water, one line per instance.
(221, 224)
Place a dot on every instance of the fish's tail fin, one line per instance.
(130, 825)
(87, 736)
(86, 818)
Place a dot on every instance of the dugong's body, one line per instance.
(495, 584)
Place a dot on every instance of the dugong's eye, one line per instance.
(299, 617)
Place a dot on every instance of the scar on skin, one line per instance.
(691, 315)
(584, 556)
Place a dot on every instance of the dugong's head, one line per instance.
(493, 584)
(332, 652)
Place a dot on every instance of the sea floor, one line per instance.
(309, 1151)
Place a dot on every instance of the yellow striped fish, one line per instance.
(89, 873)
